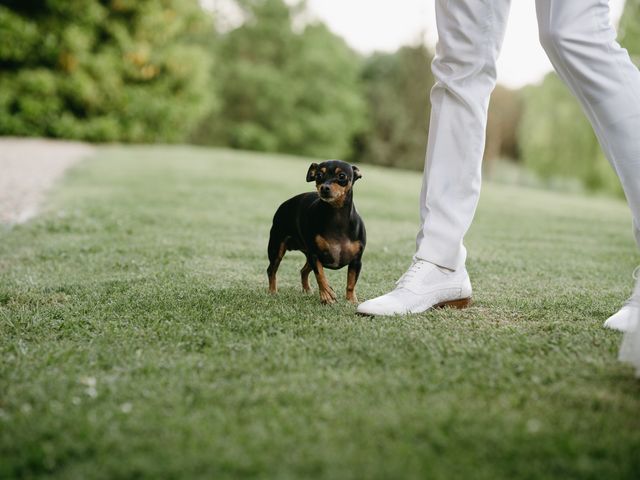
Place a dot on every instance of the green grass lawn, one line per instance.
(138, 339)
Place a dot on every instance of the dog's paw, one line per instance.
(328, 296)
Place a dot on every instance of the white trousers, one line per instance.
(581, 43)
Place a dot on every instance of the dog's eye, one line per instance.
(342, 176)
(318, 176)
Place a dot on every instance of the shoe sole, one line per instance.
(458, 304)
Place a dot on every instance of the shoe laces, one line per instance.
(411, 273)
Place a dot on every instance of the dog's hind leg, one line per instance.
(304, 276)
(352, 279)
(276, 250)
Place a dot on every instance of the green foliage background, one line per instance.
(103, 70)
(630, 29)
(164, 71)
(168, 71)
(284, 89)
(555, 137)
(396, 87)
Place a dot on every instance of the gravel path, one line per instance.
(28, 168)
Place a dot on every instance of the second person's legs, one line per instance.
(581, 44)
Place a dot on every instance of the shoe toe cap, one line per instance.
(384, 305)
(624, 320)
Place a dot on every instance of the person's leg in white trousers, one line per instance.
(581, 44)
(580, 41)
(470, 36)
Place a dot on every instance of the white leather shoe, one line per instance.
(627, 318)
(423, 286)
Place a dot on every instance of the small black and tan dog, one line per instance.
(325, 226)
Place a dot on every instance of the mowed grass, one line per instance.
(138, 339)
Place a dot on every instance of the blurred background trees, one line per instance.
(629, 29)
(396, 88)
(269, 80)
(284, 89)
(505, 114)
(555, 139)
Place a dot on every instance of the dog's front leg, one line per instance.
(327, 295)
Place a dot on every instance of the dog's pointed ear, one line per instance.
(311, 174)
(356, 173)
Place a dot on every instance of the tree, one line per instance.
(629, 30)
(557, 140)
(397, 90)
(285, 89)
(505, 113)
(103, 70)
(555, 137)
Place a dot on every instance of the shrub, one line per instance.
(103, 70)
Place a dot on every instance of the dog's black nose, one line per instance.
(325, 190)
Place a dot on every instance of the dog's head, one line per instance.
(334, 180)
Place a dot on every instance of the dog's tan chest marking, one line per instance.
(337, 252)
